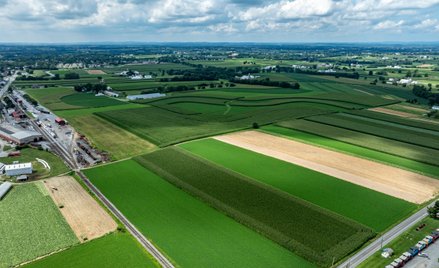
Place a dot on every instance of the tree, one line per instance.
(433, 211)
(370, 72)
(255, 125)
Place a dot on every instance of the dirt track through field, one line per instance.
(393, 181)
(392, 112)
(84, 215)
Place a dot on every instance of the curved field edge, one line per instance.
(292, 222)
(355, 150)
(111, 251)
(195, 235)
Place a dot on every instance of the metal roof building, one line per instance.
(20, 137)
(145, 96)
(18, 169)
(4, 189)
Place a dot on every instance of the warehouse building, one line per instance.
(18, 169)
(145, 96)
(4, 189)
(20, 137)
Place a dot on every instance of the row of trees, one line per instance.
(95, 88)
(267, 82)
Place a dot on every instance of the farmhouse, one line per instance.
(4, 189)
(145, 96)
(18, 169)
(60, 121)
(20, 137)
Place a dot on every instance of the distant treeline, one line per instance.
(267, 82)
(422, 92)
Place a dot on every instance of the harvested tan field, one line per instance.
(96, 72)
(392, 112)
(393, 181)
(86, 217)
(415, 109)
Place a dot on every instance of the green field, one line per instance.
(31, 225)
(355, 150)
(51, 97)
(406, 150)
(168, 124)
(314, 233)
(111, 251)
(57, 166)
(396, 119)
(89, 100)
(384, 129)
(190, 232)
(371, 208)
(118, 142)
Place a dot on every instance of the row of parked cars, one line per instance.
(416, 250)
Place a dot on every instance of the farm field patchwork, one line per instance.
(406, 150)
(168, 124)
(371, 208)
(111, 251)
(216, 240)
(31, 225)
(399, 183)
(308, 230)
(389, 159)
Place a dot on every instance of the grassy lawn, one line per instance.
(111, 251)
(111, 138)
(31, 225)
(371, 208)
(402, 243)
(332, 144)
(89, 100)
(57, 166)
(186, 229)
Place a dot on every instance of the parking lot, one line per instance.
(422, 262)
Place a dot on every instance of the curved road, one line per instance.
(376, 245)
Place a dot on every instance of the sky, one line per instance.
(288, 21)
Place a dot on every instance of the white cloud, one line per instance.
(388, 25)
(428, 23)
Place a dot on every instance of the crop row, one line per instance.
(394, 147)
(380, 129)
(316, 234)
(395, 119)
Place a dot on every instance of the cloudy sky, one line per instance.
(219, 20)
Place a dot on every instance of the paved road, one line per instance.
(375, 246)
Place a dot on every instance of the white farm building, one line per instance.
(18, 169)
(4, 189)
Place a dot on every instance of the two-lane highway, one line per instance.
(384, 239)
